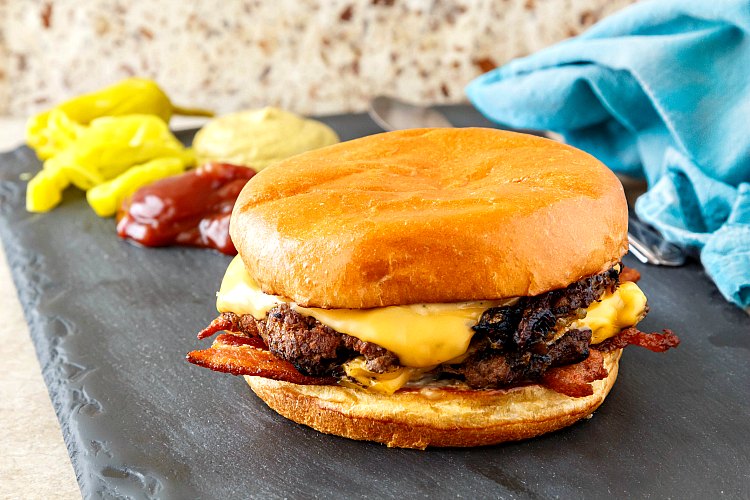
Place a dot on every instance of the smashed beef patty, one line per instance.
(511, 344)
(312, 347)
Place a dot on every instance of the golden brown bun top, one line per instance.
(429, 215)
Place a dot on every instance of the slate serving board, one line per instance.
(112, 322)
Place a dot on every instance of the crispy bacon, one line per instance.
(223, 323)
(656, 342)
(244, 325)
(629, 274)
(232, 356)
(575, 380)
(231, 339)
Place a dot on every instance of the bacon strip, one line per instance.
(231, 339)
(575, 380)
(244, 325)
(223, 323)
(240, 354)
(656, 342)
(249, 360)
(629, 274)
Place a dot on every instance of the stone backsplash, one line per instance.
(309, 56)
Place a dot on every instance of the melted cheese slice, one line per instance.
(421, 335)
(241, 294)
(624, 308)
(384, 383)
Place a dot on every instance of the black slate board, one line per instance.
(112, 322)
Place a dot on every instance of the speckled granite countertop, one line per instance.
(309, 56)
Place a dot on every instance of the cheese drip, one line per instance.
(624, 308)
(241, 294)
(421, 335)
(384, 383)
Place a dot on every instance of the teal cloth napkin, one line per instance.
(659, 90)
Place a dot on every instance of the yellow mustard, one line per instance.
(259, 137)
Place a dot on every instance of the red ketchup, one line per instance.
(191, 209)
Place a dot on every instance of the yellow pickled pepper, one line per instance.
(95, 137)
(105, 149)
(107, 197)
(50, 132)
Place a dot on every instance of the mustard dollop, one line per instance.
(259, 137)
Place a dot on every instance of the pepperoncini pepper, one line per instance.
(102, 151)
(51, 132)
(106, 198)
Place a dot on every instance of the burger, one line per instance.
(431, 287)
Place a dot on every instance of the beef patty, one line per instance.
(511, 344)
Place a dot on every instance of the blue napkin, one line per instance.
(659, 90)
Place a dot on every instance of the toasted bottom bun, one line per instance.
(433, 416)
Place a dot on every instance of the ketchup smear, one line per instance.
(191, 209)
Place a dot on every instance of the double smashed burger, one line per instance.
(437, 287)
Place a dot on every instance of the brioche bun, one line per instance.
(433, 416)
(428, 216)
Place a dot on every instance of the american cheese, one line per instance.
(615, 311)
(241, 294)
(421, 335)
(626, 307)
(384, 383)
